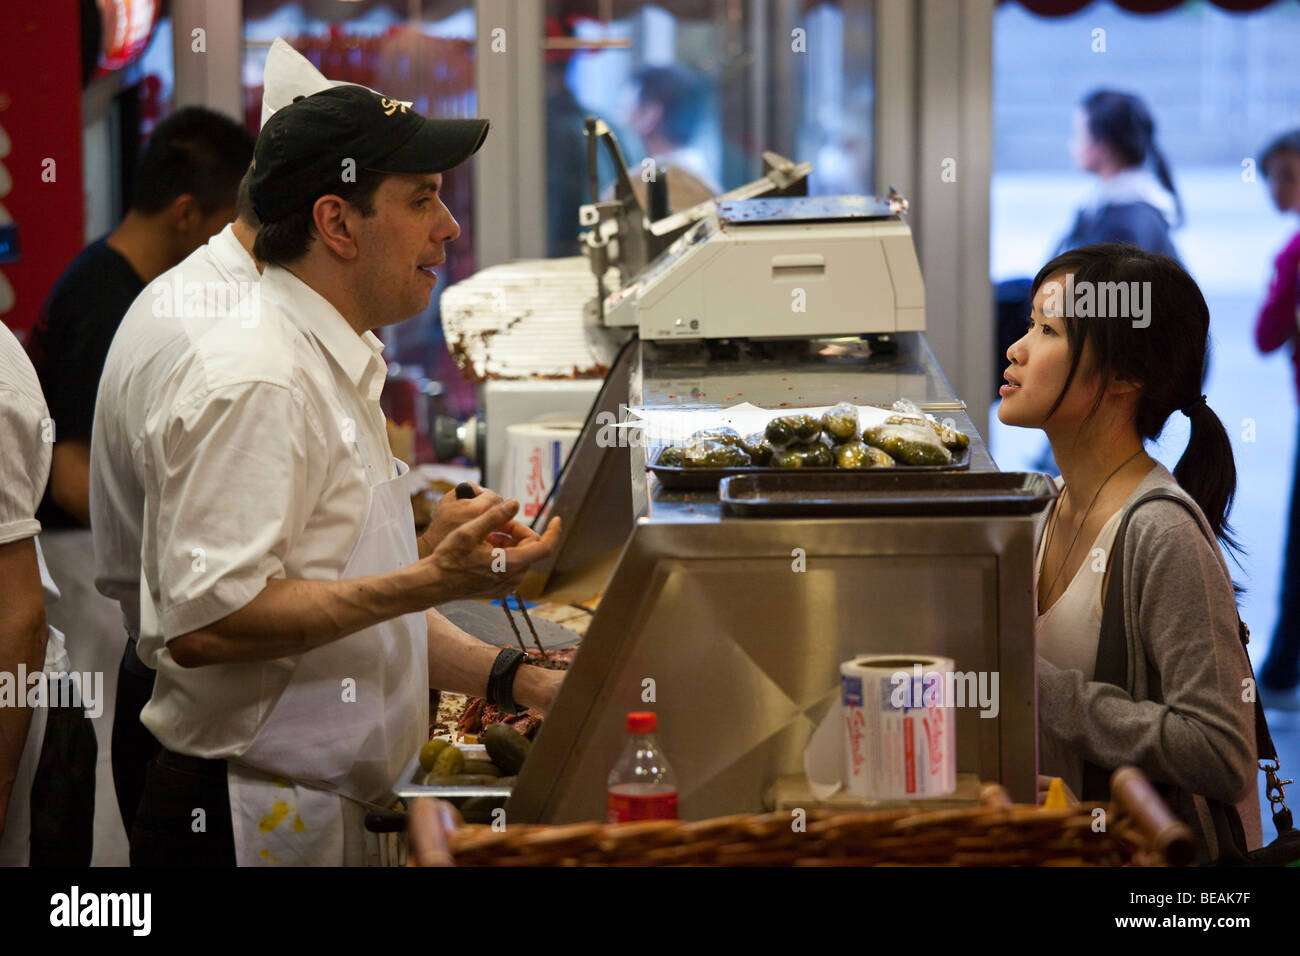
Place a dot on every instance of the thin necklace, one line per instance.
(1082, 521)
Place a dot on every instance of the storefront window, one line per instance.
(703, 87)
(1219, 87)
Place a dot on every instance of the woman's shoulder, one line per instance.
(1150, 507)
(1176, 528)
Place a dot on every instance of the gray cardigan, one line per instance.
(1183, 721)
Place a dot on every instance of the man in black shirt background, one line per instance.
(183, 194)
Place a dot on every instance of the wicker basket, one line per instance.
(1138, 830)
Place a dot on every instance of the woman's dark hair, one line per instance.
(287, 240)
(1286, 143)
(1123, 122)
(1162, 349)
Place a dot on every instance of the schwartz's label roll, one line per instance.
(535, 453)
(899, 726)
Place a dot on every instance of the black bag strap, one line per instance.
(1112, 667)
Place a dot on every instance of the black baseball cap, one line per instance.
(301, 152)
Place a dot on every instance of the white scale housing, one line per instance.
(746, 268)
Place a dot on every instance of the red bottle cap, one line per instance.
(642, 722)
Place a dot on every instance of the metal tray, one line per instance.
(884, 491)
(409, 785)
(706, 479)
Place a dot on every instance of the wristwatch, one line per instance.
(501, 680)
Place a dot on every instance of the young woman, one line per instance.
(1134, 199)
(1099, 387)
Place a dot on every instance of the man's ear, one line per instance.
(184, 214)
(332, 219)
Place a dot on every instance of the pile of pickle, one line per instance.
(835, 440)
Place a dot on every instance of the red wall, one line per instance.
(40, 114)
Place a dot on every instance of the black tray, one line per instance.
(885, 491)
(706, 479)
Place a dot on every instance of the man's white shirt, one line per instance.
(152, 337)
(27, 440)
(257, 462)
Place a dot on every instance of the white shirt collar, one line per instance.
(1133, 185)
(357, 355)
(231, 256)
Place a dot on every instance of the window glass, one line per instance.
(1219, 87)
(702, 89)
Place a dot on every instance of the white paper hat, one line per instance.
(289, 74)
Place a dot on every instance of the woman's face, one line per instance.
(1284, 181)
(1086, 152)
(1039, 365)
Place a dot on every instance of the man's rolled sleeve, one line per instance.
(240, 466)
(25, 465)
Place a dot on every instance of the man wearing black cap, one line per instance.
(286, 600)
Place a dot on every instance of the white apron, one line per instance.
(353, 714)
(96, 638)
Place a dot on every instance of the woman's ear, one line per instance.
(1122, 386)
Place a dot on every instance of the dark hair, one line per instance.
(1286, 143)
(196, 152)
(245, 211)
(1123, 122)
(680, 97)
(1166, 357)
(287, 240)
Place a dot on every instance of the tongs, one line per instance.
(466, 490)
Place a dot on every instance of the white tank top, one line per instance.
(1067, 635)
(1068, 631)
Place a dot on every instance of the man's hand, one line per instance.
(450, 513)
(427, 824)
(481, 552)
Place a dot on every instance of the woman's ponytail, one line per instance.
(1162, 173)
(1207, 472)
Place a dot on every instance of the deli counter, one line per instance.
(733, 628)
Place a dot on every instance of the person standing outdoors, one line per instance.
(286, 601)
(184, 192)
(1278, 324)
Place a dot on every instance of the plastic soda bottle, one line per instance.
(642, 785)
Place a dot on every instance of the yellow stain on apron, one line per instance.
(273, 819)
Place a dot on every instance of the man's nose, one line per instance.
(448, 230)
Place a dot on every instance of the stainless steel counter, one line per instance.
(732, 629)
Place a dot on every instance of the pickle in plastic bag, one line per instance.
(758, 448)
(857, 454)
(819, 455)
(670, 457)
(909, 444)
(840, 422)
(950, 436)
(714, 454)
(787, 430)
(719, 433)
